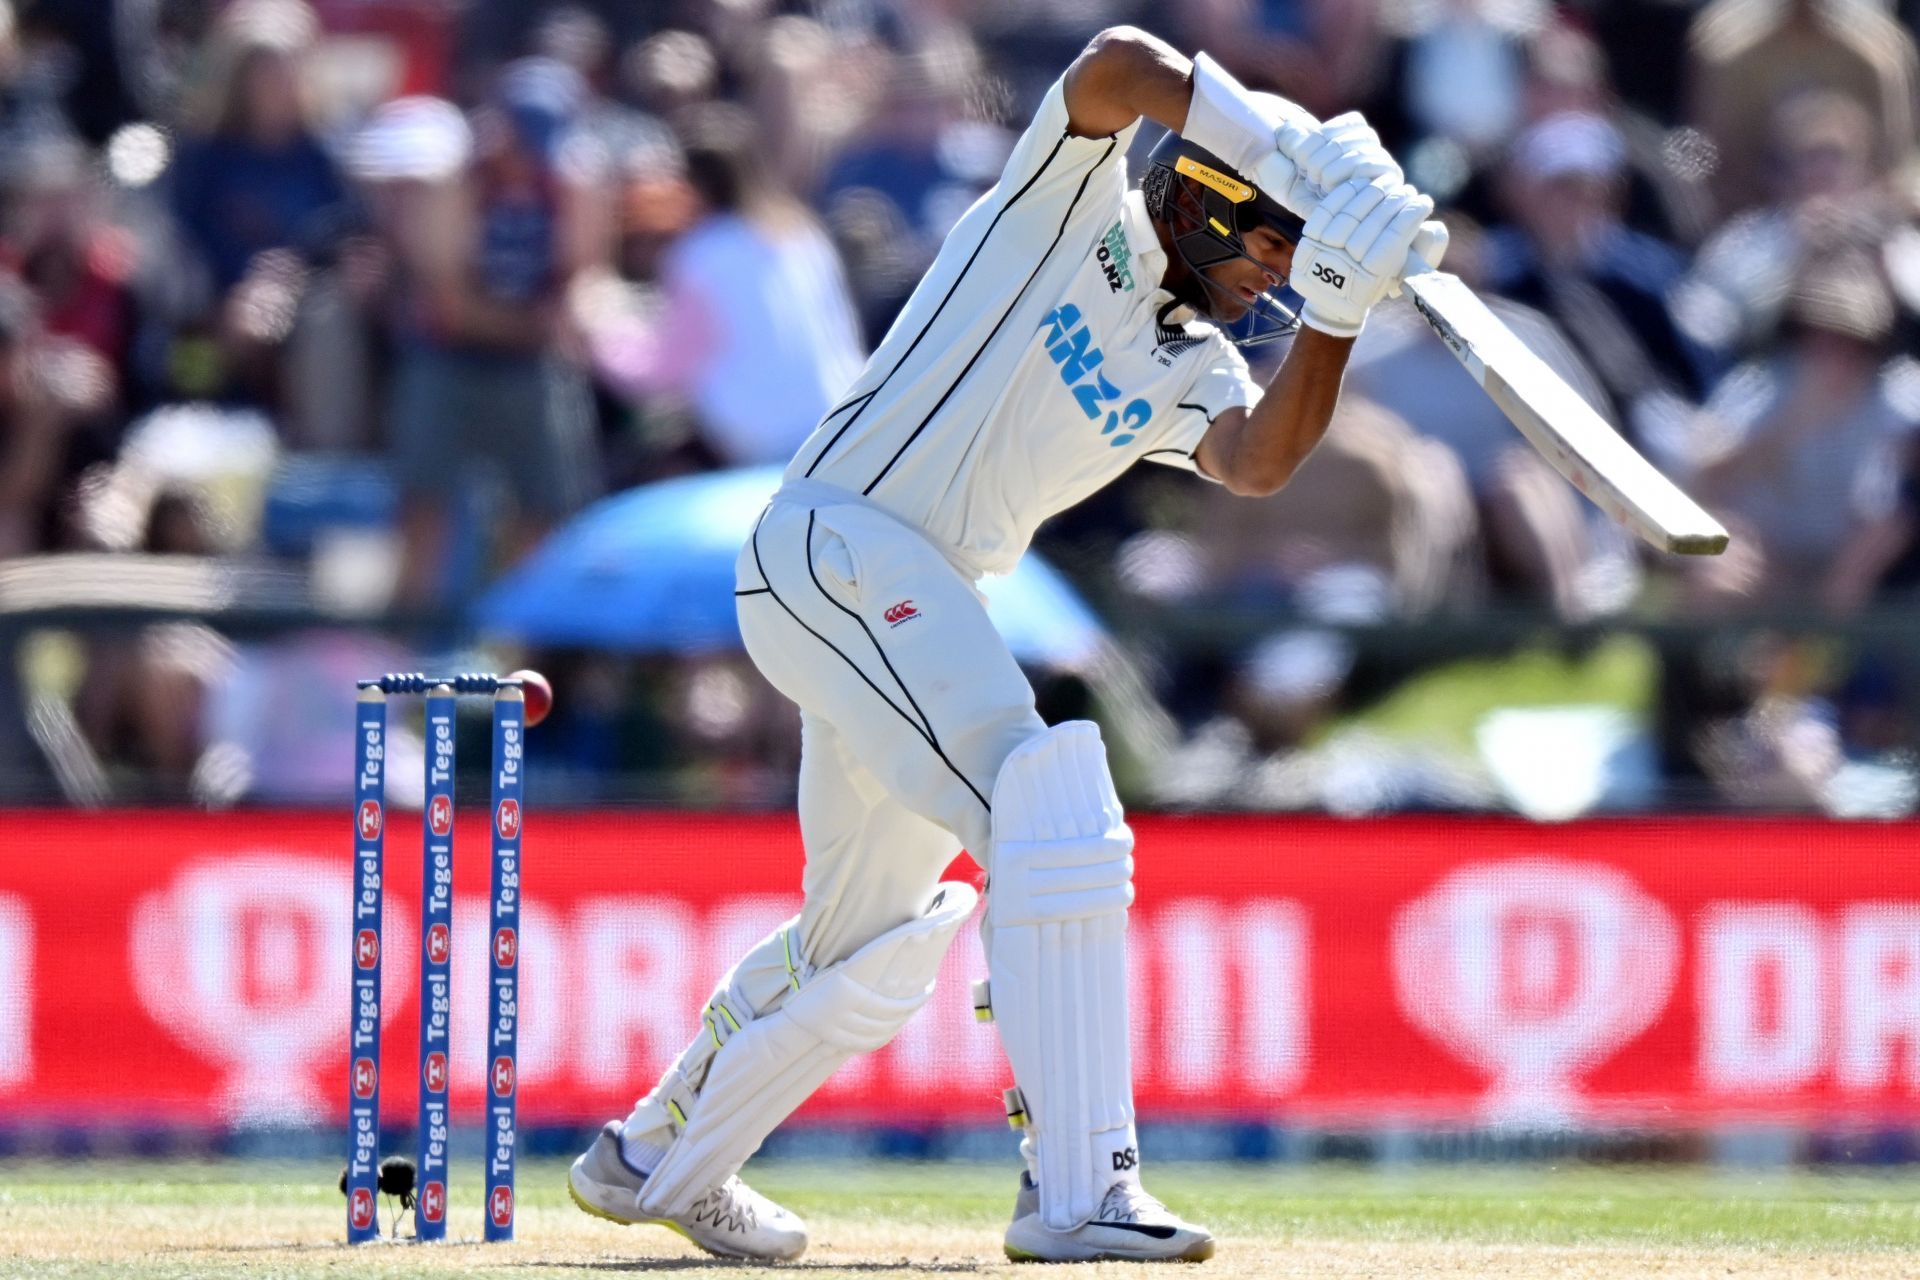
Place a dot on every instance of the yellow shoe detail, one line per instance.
(596, 1211)
(593, 1210)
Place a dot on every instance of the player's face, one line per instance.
(1240, 280)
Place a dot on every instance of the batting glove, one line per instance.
(1332, 154)
(1286, 182)
(1429, 247)
(1241, 127)
(1354, 251)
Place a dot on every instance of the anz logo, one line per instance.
(1070, 344)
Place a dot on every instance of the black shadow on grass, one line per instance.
(904, 1266)
(319, 1246)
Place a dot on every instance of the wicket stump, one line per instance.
(436, 954)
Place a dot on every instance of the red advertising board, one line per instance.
(187, 968)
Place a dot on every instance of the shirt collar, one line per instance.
(1149, 259)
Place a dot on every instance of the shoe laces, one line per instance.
(1129, 1202)
(728, 1207)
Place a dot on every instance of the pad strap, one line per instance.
(753, 988)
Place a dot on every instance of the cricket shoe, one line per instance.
(1129, 1226)
(730, 1221)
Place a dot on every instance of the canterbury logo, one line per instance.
(1236, 191)
(900, 613)
(1328, 275)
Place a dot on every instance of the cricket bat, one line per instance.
(1557, 422)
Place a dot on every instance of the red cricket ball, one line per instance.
(538, 692)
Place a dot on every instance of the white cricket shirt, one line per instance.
(1036, 361)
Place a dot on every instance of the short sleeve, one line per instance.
(1224, 382)
(1049, 159)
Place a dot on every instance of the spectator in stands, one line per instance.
(1749, 55)
(455, 292)
(1324, 54)
(757, 330)
(278, 724)
(1646, 47)
(1255, 752)
(140, 702)
(671, 71)
(488, 372)
(1540, 542)
(402, 163)
(1798, 452)
(257, 201)
(1883, 556)
(657, 204)
(1807, 730)
(578, 38)
(1568, 254)
(648, 429)
(1828, 190)
(54, 236)
(906, 176)
(251, 176)
(797, 85)
(919, 152)
(1665, 171)
(55, 398)
(1461, 70)
(1286, 733)
(1378, 514)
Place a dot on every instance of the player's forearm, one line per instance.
(1122, 75)
(1254, 452)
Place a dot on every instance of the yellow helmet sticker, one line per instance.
(1238, 192)
(1221, 227)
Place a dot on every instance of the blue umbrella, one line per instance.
(651, 569)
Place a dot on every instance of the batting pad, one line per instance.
(772, 1064)
(1061, 879)
(753, 988)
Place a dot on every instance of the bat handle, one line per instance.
(1429, 246)
(1416, 266)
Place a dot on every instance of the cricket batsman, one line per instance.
(1070, 327)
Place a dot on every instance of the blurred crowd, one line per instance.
(389, 289)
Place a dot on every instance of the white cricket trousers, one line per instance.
(909, 704)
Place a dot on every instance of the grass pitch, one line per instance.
(147, 1221)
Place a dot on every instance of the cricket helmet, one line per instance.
(1208, 208)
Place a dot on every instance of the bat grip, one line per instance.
(1416, 266)
(1429, 246)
